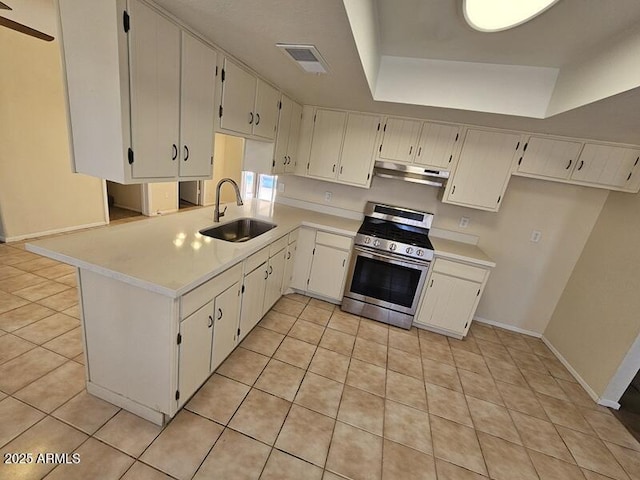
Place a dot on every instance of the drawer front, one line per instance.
(255, 260)
(196, 298)
(333, 240)
(278, 245)
(293, 236)
(459, 270)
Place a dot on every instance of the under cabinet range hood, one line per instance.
(411, 173)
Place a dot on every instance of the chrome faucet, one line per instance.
(217, 213)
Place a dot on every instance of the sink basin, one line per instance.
(239, 230)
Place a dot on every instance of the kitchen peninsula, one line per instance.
(162, 305)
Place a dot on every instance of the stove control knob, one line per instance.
(392, 247)
(376, 243)
(367, 240)
(420, 253)
(409, 250)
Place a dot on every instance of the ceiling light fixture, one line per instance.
(498, 15)
(306, 57)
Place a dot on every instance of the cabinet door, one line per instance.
(197, 107)
(195, 351)
(399, 141)
(265, 118)
(274, 281)
(548, 157)
(154, 57)
(282, 138)
(483, 170)
(356, 160)
(252, 299)
(326, 143)
(225, 325)
(435, 147)
(294, 133)
(449, 303)
(303, 258)
(328, 269)
(289, 261)
(605, 165)
(238, 98)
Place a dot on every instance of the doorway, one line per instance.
(124, 202)
(629, 411)
(189, 194)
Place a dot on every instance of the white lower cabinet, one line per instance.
(253, 291)
(451, 297)
(226, 313)
(289, 262)
(321, 263)
(275, 272)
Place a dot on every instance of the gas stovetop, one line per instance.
(396, 230)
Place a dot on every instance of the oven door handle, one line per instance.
(393, 259)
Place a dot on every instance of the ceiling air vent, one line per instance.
(306, 57)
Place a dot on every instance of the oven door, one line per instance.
(389, 281)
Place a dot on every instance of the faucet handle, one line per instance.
(221, 214)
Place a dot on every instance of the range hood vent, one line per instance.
(411, 173)
(306, 57)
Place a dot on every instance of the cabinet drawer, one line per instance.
(196, 298)
(332, 240)
(293, 236)
(278, 245)
(459, 270)
(255, 260)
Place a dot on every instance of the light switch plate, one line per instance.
(464, 222)
(280, 187)
(327, 197)
(535, 236)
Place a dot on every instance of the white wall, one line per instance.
(529, 278)
(38, 192)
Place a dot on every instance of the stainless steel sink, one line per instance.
(239, 230)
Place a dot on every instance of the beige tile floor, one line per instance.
(312, 393)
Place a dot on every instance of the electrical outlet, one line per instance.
(464, 222)
(535, 236)
(280, 187)
(327, 197)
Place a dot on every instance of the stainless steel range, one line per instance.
(389, 265)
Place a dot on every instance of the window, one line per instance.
(258, 185)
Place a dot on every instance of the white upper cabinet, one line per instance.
(140, 93)
(400, 140)
(285, 155)
(436, 145)
(608, 166)
(249, 106)
(196, 118)
(154, 49)
(356, 159)
(343, 146)
(548, 157)
(483, 169)
(326, 143)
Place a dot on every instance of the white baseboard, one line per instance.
(507, 326)
(576, 375)
(609, 403)
(45, 233)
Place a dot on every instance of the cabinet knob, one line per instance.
(219, 313)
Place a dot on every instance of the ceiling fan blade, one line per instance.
(4, 6)
(18, 27)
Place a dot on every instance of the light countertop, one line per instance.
(167, 255)
(464, 252)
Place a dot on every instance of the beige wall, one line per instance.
(161, 198)
(227, 162)
(598, 316)
(126, 196)
(529, 278)
(38, 192)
